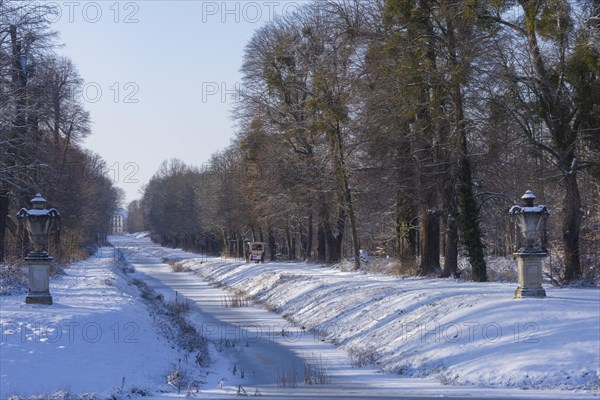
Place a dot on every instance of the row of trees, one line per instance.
(407, 128)
(42, 123)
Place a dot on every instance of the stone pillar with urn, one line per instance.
(37, 221)
(529, 257)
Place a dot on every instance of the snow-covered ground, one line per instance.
(448, 339)
(98, 337)
(460, 333)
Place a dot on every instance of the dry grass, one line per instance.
(362, 357)
(173, 320)
(13, 278)
(315, 371)
(236, 300)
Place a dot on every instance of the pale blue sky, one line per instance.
(154, 83)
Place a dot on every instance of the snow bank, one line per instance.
(97, 337)
(458, 332)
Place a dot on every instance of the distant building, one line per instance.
(119, 221)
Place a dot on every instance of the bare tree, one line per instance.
(550, 69)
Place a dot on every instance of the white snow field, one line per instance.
(456, 332)
(100, 332)
(451, 332)
(97, 337)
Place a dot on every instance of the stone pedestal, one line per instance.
(529, 265)
(39, 280)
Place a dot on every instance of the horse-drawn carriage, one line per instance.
(255, 251)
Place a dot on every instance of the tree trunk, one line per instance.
(469, 214)
(570, 227)
(19, 80)
(451, 248)
(224, 244)
(430, 242)
(309, 238)
(3, 219)
(469, 221)
(321, 244)
(334, 247)
(321, 235)
(294, 239)
(335, 238)
(272, 245)
(355, 242)
(240, 246)
(288, 240)
(406, 236)
(340, 166)
(450, 226)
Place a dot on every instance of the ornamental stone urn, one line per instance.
(529, 257)
(37, 222)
